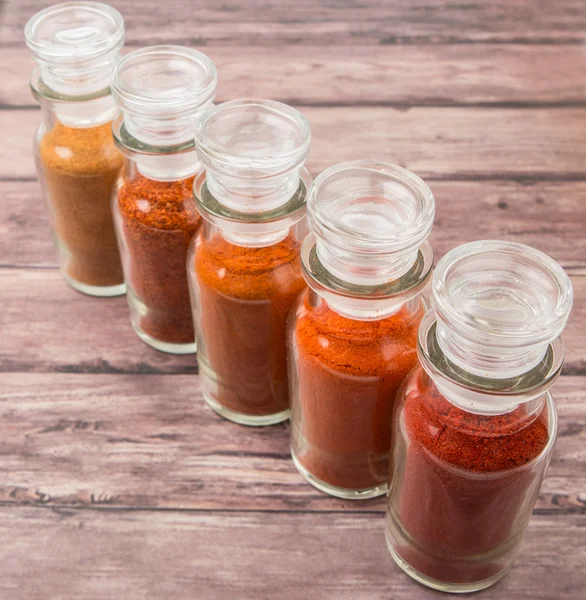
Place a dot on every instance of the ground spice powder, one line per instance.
(80, 168)
(461, 502)
(244, 295)
(158, 221)
(348, 372)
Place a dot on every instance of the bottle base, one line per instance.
(338, 492)
(243, 419)
(97, 291)
(167, 347)
(442, 586)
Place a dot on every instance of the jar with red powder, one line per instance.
(352, 337)
(163, 92)
(244, 266)
(474, 425)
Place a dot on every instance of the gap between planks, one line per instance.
(58, 508)
(117, 441)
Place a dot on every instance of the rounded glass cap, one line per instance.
(369, 220)
(74, 30)
(253, 138)
(253, 151)
(499, 305)
(163, 92)
(76, 45)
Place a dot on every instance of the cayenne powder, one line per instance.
(461, 500)
(244, 295)
(348, 372)
(80, 168)
(158, 219)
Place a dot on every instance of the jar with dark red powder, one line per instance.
(474, 424)
(163, 92)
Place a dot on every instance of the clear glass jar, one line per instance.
(244, 266)
(162, 92)
(474, 425)
(352, 337)
(76, 45)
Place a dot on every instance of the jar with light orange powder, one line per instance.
(244, 265)
(353, 335)
(76, 45)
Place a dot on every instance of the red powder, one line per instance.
(458, 497)
(347, 374)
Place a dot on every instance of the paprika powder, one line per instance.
(162, 92)
(157, 220)
(474, 425)
(76, 158)
(353, 335)
(244, 268)
(244, 296)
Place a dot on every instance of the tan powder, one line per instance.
(81, 167)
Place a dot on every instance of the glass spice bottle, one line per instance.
(162, 91)
(352, 337)
(76, 45)
(244, 265)
(475, 425)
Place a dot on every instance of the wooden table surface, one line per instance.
(116, 480)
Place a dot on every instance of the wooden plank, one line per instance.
(152, 442)
(46, 323)
(446, 143)
(547, 215)
(47, 327)
(370, 75)
(332, 22)
(99, 555)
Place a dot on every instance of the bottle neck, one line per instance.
(494, 391)
(371, 310)
(250, 195)
(244, 239)
(477, 422)
(350, 296)
(79, 114)
(163, 131)
(361, 268)
(256, 228)
(77, 79)
(157, 162)
(479, 358)
(168, 167)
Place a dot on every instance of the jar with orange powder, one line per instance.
(244, 266)
(352, 337)
(162, 91)
(76, 45)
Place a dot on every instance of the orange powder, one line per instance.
(348, 372)
(80, 168)
(242, 301)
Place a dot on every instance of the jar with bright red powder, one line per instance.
(474, 423)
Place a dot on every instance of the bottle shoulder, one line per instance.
(247, 272)
(165, 205)
(474, 442)
(78, 151)
(360, 347)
